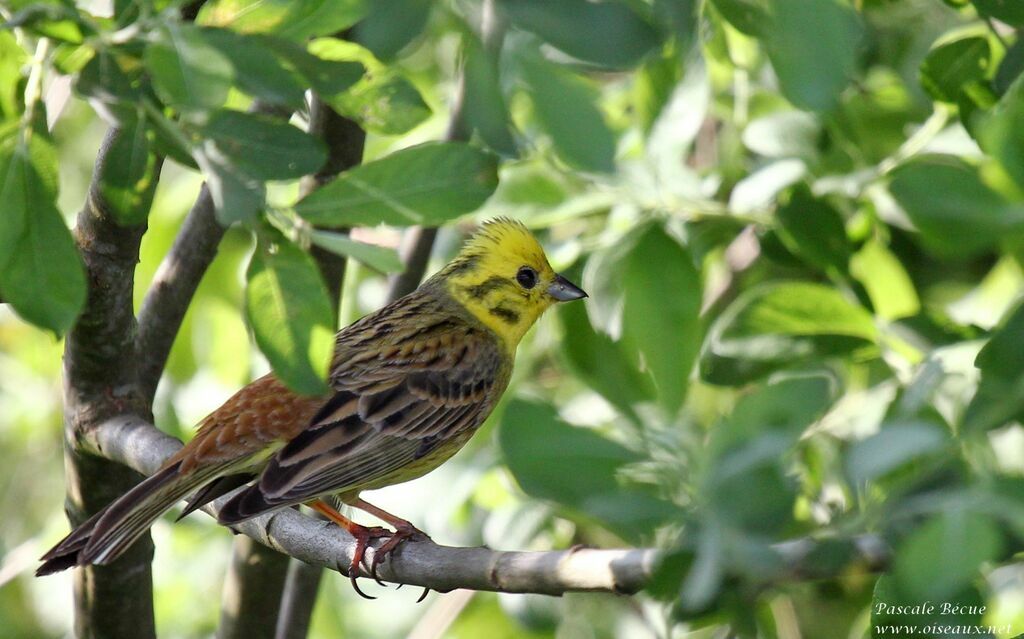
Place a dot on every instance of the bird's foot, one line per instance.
(403, 532)
(364, 535)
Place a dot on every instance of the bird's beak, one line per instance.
(565, 291)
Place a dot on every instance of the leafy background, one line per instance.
(799, 221)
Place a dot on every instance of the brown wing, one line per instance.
(402, 390)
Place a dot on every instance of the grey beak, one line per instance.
(565, 291)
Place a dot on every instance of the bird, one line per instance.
(409, 385)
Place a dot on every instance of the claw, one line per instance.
(363, 537)
(426, 591)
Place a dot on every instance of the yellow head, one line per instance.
(503, 278)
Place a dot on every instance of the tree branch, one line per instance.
(99, 382)
(298, 600)
(174, 284)
(252, 590)
(138, 444)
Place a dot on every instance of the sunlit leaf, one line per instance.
(425, 184)
(285, 18)
(290, 313)
(188, 72)
(41, 273)
(660, 317)
(378, 258)
(779, 324)
(888, 285)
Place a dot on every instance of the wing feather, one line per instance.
(424, 386)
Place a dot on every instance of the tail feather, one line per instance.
(247, 504)
(213, 490)
(109, 533)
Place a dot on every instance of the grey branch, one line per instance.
(140, 445)
(176, 281)
(99, 382)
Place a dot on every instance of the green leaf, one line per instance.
(661, 312)
(895, 446)
(379, 258)
(748, 16)
(390, 25)
(813, 229)
(1000, 394)
(813, 71)
(484, 107)
(113, 89)
(188, 73)
(600, 362)
(576, 468)
(609, 34)
(786, 406)
(258, 70)
(780, 324)
(425, 184)
(263, 147)
(952, 66)
(297, 21)
(41, 273)
(744, 478)
(383, 101)
(961, 539)
(888, 285)
(237, 196)
(963, 218)
(290, 313)
(1001, 135)
(1010, 68)
(329, 78)
(1009, 11)
(12, 58)
(564, 105)
(129, 174)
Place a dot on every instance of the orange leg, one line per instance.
(363, 536)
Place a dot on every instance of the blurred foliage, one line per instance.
(799, 222)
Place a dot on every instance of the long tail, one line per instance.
(108, 534)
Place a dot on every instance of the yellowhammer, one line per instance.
(411, 383)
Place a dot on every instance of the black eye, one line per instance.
(527, 277)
